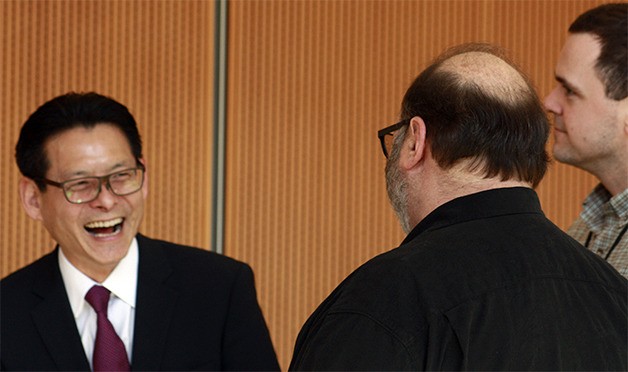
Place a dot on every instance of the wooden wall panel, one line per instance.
(155, 57)
(310, 82)
(309, 85)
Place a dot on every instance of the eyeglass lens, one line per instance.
(87, 189)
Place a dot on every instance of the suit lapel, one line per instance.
(156, 299)
(54, 319)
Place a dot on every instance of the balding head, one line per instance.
(489, 73)
(479, 107)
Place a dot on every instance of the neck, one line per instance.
(447, 185)
(615, 182)
(612, 170)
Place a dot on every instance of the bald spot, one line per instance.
(494, 76)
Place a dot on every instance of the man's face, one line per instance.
(96, 235)
(396, 183)
(588, 128)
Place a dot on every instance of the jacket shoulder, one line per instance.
(25, 276)
(188, 259)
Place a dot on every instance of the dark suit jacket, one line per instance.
(195, 310)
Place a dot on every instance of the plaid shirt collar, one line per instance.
(599, 206)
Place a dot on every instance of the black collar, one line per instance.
(484, 204)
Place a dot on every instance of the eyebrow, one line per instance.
(567, 84)
(82, 174)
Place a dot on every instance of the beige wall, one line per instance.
(309, 85)
(156, 58)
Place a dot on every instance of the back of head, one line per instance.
(479, 107)
(609, 24)
(63, 113)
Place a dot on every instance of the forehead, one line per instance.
(85, 150)
(578, 55)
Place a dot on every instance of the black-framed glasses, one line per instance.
(386, 136)
(85, 189)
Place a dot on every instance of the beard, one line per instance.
(397, 186)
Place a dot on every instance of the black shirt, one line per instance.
(485, 282)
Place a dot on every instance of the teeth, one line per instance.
(104, 224)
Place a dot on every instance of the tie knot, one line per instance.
(98, 298)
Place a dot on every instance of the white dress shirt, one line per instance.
(122, 283)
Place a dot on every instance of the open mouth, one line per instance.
(105, 228)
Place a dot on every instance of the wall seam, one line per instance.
(219, 145)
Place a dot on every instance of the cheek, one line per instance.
(60, 215)
(573, 116)
(136, 206)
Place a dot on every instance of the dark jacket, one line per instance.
(485, 282)
(195, 310)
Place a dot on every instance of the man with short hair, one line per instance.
(483, 281)
(590, 106)
(109, 298)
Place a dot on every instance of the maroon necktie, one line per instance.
(109, 351)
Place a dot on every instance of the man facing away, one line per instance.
(483, 281)
(590, 106)
(108, 298)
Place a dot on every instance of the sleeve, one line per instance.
(352, 341)
(246, 340)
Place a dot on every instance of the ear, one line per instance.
(623, 112)
(31, 198)
(413, 148)
(145, 186)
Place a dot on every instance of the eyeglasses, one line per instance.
(85, 189)
(386, 136)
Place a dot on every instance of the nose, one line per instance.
(551, 102)
(105, 199)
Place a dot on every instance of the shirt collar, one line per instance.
(122, 281)
(599, 203)
(484, 204)
(619, 203)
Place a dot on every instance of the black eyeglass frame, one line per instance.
(102, 179)
(382, 133)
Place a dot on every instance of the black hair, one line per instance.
(609, 24)
(63, 113)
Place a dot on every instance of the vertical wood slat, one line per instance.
(154, 57)
(310, 83)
